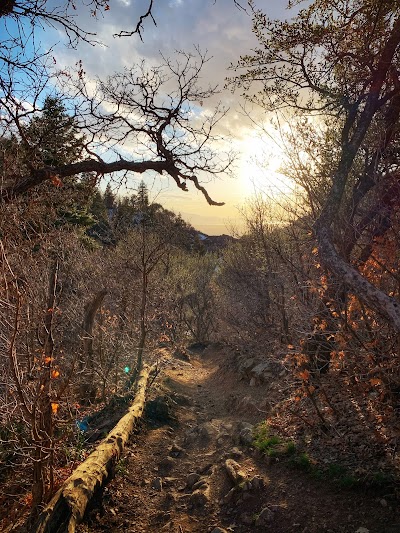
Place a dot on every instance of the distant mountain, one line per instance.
(213, 243)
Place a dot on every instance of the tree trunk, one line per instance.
(67, 507)
(87, 389)
(359, 125)
(42, 430)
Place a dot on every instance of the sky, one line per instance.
(225, 32)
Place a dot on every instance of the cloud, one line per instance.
(214, 25)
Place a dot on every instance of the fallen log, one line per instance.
(67, 507)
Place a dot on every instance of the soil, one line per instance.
(191, 467)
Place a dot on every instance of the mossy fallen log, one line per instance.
(67, 507)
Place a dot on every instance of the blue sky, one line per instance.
(214, 25)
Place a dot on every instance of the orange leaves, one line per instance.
(323, 325)
(28, 498)
(54, 407)
(375, 381)
(304, 375)
(55, 180)
(47, 360)
(55, 374)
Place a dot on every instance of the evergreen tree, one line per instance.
(109, 198)
(54, 135)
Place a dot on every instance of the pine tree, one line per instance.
(54, 135)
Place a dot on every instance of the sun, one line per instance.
(261, 161)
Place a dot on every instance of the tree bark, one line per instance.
(87, 389)
(67, 508)
(385, 305)
(40, 175)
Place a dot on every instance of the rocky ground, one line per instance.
(192, 468)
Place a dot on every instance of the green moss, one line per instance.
(290, 448)
(302, 461)
(334, 473)
(271, 445)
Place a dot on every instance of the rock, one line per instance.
(191, 479)
(207, 431)
(223, 438)
(234, 471)
(265, 517)
(199, 498)
(253, 382)
(245, 366)
(236, 453)
(201, 485)
(206, 469)
(362, 530)
(264, 371)
(219, 530)
(229, 495)
(257, 483)
(191, 436)
(156, 484)
(166, 464)
(383, 502)
(158, 409)
(176, 451)
(169, 481)
(246, 436)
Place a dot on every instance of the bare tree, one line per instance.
(315, 64)
(149, 113)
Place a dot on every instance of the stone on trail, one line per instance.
(246, 435)
(201, 485)
(156, 484)
(266, 516)
(257, 483)
(191, 479)
(158, 409)
(166, 464)
(236, 453)
(234, 471)
(176, 451)
(200, 498)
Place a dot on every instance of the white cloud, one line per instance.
(214, 25)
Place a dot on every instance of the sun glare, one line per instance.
(261, 161)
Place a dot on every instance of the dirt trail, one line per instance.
(175, 474)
